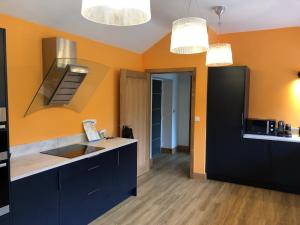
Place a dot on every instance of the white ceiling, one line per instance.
(241, 15)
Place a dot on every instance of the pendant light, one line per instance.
(117, 12)
(219, 54)
(189, 35)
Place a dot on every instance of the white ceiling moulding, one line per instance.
(219, 54)
(117, 12)
(189, 34)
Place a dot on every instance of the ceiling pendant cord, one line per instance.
(219, 10)
(189, 8)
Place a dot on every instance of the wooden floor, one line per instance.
(167, 196)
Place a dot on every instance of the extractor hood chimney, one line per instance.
(60, 67)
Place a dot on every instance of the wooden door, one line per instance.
(134, 112)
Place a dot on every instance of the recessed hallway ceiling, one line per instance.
(240, 16)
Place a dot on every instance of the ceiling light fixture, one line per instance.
(117, 12)
(219, 54)
(189, 35)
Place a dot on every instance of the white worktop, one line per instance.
(30, 164)
(294, 138)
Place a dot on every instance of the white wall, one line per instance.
(183, 110)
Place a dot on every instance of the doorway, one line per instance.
(172, 114)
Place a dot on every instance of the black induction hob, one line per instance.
(73, 151)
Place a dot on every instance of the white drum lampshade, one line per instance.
(219, 55)
(117, 12)
(189, 36)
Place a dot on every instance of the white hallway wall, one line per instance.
(183, 110)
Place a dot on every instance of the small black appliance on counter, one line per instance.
(288, 130)
(261, 126)
(281, 129)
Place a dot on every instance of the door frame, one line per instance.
(193, 71)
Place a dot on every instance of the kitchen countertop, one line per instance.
(24, 166)
(294, 138)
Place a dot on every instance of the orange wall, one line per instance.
(274, 59)
(159, 56)
(24, 58)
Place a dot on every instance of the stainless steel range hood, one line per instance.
(66, 78)
(68, 82)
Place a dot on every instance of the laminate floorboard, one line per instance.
(166, 196)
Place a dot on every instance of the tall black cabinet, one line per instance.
(227, 103)
(4, 136)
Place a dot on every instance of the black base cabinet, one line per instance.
(35, 200)
(268, 164)
(4, 220)
(286, 166)
(255, 161)
(78, 193)
(252, 164)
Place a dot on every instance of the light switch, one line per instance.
(197, 118)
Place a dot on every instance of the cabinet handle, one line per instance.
(94, 191)
(242, 128)
(118, 158)
(59, 181)
(93, 168)
(2, 165)
(242, 120)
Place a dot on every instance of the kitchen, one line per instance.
(271, 52)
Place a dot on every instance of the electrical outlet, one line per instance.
(197, 118)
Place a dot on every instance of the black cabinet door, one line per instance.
(226, 109)
(35, 200)
(73, 193)
(255, 161)
(4, 220)
(286, 164)
(3, 82)
(127, 168)
(87, 188)
(102, 183)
